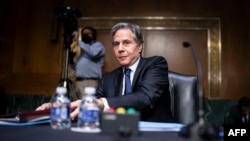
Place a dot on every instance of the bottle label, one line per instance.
(89, 115)
(61, 112)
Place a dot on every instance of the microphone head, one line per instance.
(186, 44)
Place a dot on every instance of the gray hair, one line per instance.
(136, 30)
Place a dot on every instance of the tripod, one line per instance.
(67, 16)
(65, 81)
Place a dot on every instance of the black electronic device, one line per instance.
(116, 124)
(68, 16)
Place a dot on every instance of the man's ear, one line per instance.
(140, 47)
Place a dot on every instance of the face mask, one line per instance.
(86, 39)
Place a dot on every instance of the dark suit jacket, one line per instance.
(234, 116)
(150, 90)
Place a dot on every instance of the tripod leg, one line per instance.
(72, 92)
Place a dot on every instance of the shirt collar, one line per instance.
(134, 66)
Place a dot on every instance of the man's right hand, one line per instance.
(44, 106)
(75, 107)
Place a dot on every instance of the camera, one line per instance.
(68, 16)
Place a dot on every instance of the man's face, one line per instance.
(87, 36)
(125, 48)
(88, 33)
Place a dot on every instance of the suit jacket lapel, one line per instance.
(137, 72)
(119, 82)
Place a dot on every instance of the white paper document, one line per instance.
(159, 126)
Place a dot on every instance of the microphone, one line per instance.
(199, 129)
(199, 74)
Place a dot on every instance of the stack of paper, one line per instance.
(159, 126)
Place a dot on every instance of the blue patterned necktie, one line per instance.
(127, 81)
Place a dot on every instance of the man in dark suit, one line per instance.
(150, 88)
(239, 113)
(149, 93)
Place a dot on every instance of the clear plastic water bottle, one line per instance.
(88, 117)
(60, 110)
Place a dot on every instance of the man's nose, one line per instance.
(120, 46)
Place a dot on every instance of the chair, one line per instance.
(183, 92)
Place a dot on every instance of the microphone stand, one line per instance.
(200, 128)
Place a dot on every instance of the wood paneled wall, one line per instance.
(32, 64)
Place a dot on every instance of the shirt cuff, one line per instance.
(106, 105)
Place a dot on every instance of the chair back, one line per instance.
(183, 92)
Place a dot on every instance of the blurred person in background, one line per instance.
(86, 60)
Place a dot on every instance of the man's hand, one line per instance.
(101, 104)
(44, 106)
(75, 106)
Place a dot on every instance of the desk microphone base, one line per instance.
(200, 130)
